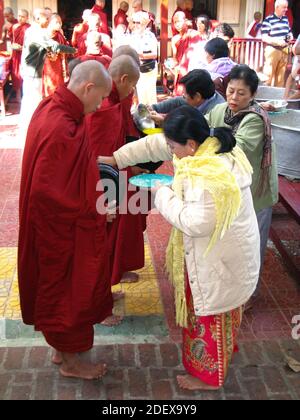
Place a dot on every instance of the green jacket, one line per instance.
(250, 137)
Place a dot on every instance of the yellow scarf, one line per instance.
(208, 169)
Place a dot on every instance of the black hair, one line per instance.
(225, 29)
(206, 21)
(217, 48)
(199, 81)
(248, 75)
(187, 123)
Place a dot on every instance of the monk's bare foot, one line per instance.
(193, 384)
(130, 278)
(118, 295)
(57, 358)
(73, 367)
(112, 321)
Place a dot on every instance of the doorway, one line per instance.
(71, 12)
(206, 7)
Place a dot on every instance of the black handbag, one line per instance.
(147, 66)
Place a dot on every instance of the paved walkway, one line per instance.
(143, 354)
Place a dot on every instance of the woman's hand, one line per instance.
(108, 160)
(157, 187)
(157, 118)
(136, 170)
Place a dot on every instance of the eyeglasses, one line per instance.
(136, 23)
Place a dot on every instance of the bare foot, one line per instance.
(192, 384)
(112, 321)
(118, 295)
(57, 358)
(73, 367)
(130, 278)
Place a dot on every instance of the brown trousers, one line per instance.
(275, 66)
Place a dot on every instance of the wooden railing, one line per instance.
(251, 52)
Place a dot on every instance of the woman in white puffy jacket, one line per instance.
(213, 255)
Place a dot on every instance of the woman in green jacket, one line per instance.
(252, 129)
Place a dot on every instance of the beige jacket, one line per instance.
(227, 277)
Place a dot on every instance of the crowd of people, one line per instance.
(220, 205)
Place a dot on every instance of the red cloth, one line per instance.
(78, 32)
(121, 18)
(18, 38)
(185, 45)
(55, 68)
(63, 249)
(209, 343)
(73, 341)
(103, 59)
(10, 26)
(103, 16)
(107, 130)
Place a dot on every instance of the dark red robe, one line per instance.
(121, 18)
(107, 130)
(103, 59)
(185, 46)
(18, 38)
(106, 46)
(55, 70)
(78, 32)
(103, 16)
(63, 249)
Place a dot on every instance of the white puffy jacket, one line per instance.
(227, 277)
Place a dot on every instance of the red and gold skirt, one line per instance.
(209, 343)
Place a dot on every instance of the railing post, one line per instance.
(164, 33)
(1, 20)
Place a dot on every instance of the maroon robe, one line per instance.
(103, 16)
(107, 130)
(18, 38)
(78, 32)
(105, 60)
(63, 248)
(121, 18)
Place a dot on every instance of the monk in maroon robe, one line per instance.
(121, 18)
(183, 46)
(17, 45)
(126, 232)
(81, 28)
(63, 248)
(99, 10)
(7, 29)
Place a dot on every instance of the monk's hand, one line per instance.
(111, 211)
(136, 170)
(157, 187)
(108, 160)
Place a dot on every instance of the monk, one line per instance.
(94, 23)
(94, 49)
(99, 10)
(126, 233)
(7, 29)
(81, 28)
(63, 248)
(183, 46)
(55, 71)
(121, 18)
(19, 30)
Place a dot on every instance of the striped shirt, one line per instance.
(276, 27)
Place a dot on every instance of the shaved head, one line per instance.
(91, 83)
(124, 64)
(127, 50)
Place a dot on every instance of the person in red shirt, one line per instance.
(19, 30)
(99, 10)
(121, 18)
(7, 28)
(63, 267)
